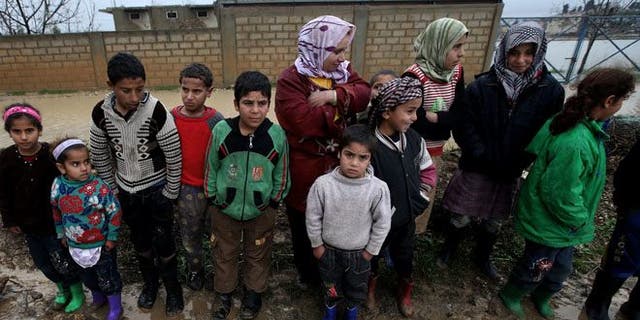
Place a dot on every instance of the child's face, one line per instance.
(25, 135)
(354, 160)
(253, 108)
(455, 54)
(334, 59)
(77, 166)
(379, 82)
(194, 93)
(401, 117)
(520, 58)
(129, 92)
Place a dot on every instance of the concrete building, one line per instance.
(163, 17)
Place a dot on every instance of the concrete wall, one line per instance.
(260, 38)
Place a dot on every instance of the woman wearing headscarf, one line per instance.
(314, 97)
(439, 49)
(504, 109)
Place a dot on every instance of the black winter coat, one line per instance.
(493, 132)
(625, 180)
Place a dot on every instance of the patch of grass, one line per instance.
(17, 93)
(56, 91)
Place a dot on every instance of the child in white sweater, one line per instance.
(348, 217)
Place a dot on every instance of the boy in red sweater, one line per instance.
(194, 121)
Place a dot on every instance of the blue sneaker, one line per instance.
(351, 314)
(330, 313)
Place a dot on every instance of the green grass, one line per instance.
(16, 93)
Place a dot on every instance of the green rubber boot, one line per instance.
(77, 298)
(62, 297)
(541, 299)
(511, 296)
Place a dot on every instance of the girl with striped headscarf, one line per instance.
(439, 49)
(504, 109)
(314, 97)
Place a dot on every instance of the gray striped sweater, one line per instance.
(139, 151)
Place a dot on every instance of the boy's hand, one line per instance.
(15, 230)
(109, 245)
(63, 241)
(318, 251)
(320, 98)
(366, 255)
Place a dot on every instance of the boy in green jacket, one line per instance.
(558, 201)
(246, 177)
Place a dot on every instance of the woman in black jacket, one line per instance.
(503, 110)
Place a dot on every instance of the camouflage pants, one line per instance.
(193, 218)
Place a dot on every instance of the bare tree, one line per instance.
(35, 16)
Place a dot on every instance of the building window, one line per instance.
(202, 14)
(172, 15)
(134, 15)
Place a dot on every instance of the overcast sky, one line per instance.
(512, 8)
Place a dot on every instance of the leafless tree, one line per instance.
(35, 16)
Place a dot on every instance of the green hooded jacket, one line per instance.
(560, 196)
(246, 174)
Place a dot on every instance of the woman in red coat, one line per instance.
(314, 98)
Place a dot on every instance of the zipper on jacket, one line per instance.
(246, 177)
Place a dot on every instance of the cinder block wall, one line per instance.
(249, 38)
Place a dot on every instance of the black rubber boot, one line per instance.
(175, 301)
(603, 289)
(454, 237)
(251, 304)
(485, 242)
(631, 308)
(150, 277)
(224, 308)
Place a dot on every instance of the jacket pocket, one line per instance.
(229, 197)
(258, 200)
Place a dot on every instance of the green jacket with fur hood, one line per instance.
(246, 174)
(558, 201)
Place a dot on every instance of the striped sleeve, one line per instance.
(281, 180)
(101, 157)
(169, 142)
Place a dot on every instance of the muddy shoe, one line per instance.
(511, 297)
(251, 304)
(404, 297)
(148, 295)
(62, 298)
(224, 308)
(98, 300)
(542, 301)
(195, 280)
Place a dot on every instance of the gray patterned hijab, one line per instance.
(514, 83)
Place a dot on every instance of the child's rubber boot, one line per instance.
(77, 298)
(631, 308)
(251, 304)
(150, 276)
(62, 297)
(174, 303)
(542, 301)
(115, 307)
(351, 314)
(511, 297)
(98, 299)
(404, 297)
(225, 307)
(330, 313)
(603, 289)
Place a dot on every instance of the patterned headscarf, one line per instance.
(526, 32)
(433, 44)
(316, 41)
(393, 94)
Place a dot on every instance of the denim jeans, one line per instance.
(104, 275)
(52, 259)
(344, 275)
(542, 267)
(149, 215)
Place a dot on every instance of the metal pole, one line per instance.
(582, 33)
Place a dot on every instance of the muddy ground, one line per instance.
(456, 293)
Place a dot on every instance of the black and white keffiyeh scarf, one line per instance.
(514, 83)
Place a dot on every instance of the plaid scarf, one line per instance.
(316, 41)
(514, 83)
(393, 94)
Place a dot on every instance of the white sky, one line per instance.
(512, 8)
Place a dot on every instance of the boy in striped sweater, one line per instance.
(135, 148)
